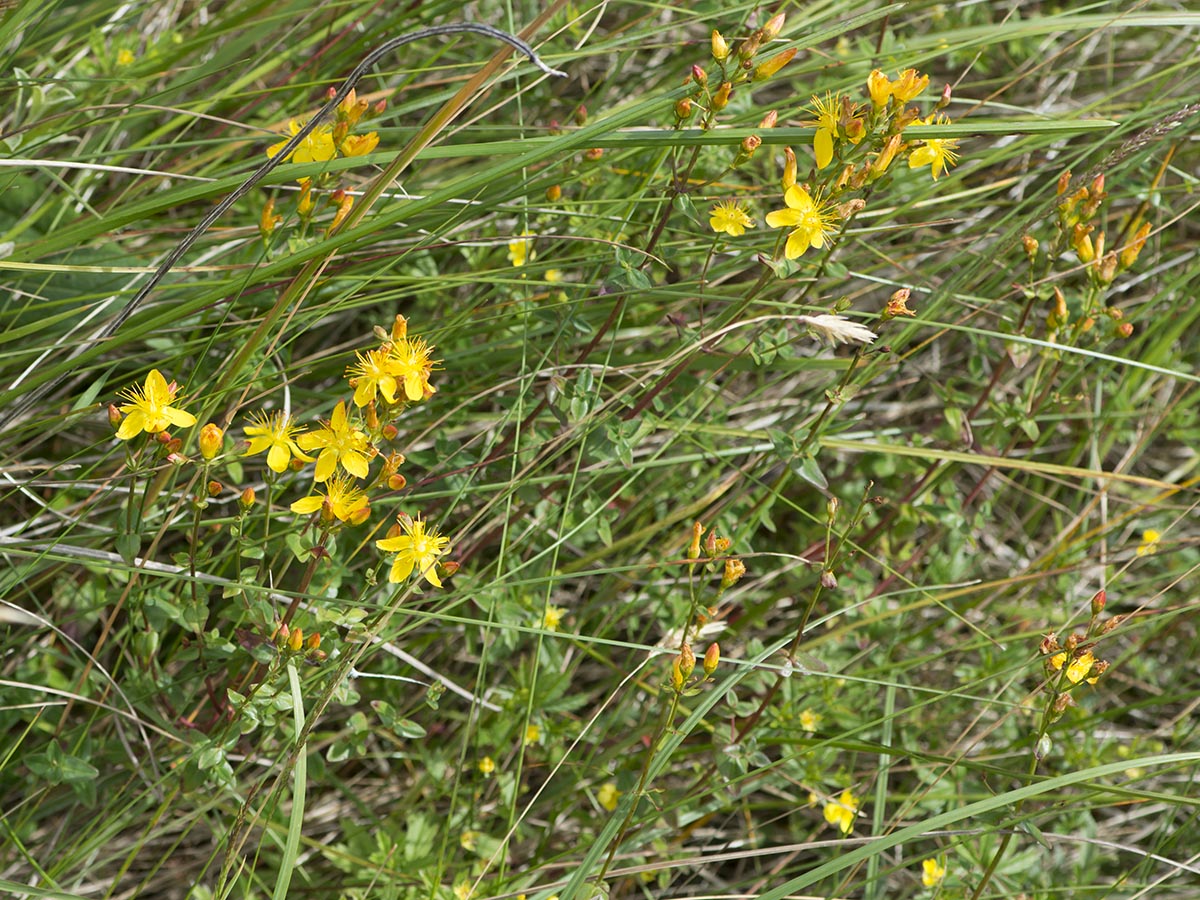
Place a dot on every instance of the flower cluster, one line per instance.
(324, 143)
(1072, 662)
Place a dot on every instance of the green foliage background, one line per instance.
(636, 375)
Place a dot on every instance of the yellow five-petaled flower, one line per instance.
(149, 408)
(810, 220)
(937, 153)
(340, 443)
(729, 218)
(276, 433)
(345, 502)
(841, 812)
(415, 549)
(317, 146)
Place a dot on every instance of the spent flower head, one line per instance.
(148, 408)
(276, 433)
(834, 330)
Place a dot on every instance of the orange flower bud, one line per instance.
(314, 641)
(295, 640)
(1064, 181)
(344, 202)
(211, 440)
(765, 70)
(396, 482)
(886, 155)
(683, 109)
(687, 661)
(593, 154)
(1130, 253)
(1125, 329)
(712, 657)
(1030, 243)
(721, 98)
(1098, 601)
(246, 498)
(1059, 315)
(769, 120)
(789, 168)
(694, 546)
(114, 416)
(304, 203)
(774, 26)
(554, 193)
(214, 488)
(360, 515)
(268, 220)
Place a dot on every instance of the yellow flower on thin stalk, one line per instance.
(937, 153)
(810, 220)
(810, 721)
(316, 147)
(608, 795)
(841, 812)
(410, 360)
(372, 374)
(276, 433)
(415, 549)
(148, 408)
(520, 249)
(360, 144)
(553, 617)
(932, 872)
(339, 443)
(1149, 544)
(729, 218)
(345, 502)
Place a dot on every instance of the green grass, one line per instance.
(914, 515)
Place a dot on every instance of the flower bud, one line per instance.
(390, 432)
(677, 676)
(1130, 253)
(765, 70)
(314, 641)
(554, 193)
(828, 579)
(396, 482)
(1106, 267)
(789, 168)
(1064, 181)
(1059, 315)
(114, 416)
(360, 515)
(211, 440)
(246, 498)
(214, 488)
(749, 47)
(881, 162)
(268, 221)
(769, 120)
(1125, 330)
(683, 109)
(831, 508)
(344, 202)
(448, 568)
(749, 145)
(774, 25)
(1030, 243)
(1081, 241)
(581, 115)
(1098, 600)
(720, 49)
(593, 154)
(721, 98)
(378, 108)
(694, 546)
(295, 640)
(304, 203)
(699, 75)
(712, 657)
(687, 661)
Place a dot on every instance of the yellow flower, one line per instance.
(125, 57)
(729, 218)
(608, 795)
(415, 549)
(809, 219)
(149, 408)
(316, 147)
(553, 617)
(932, 872)
(276, 434)
(345, 501)
(520, 250)
(340, 442)
(360, 144)
(468, 840)
(462, 890)
(487, 765)
(937, 153)
(909, 85)
(840, 812)
(827, 128)
(1149, 544)
(409, 360)
(533, 734)
(1079, 667)
(809, 720)
(372, 374)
